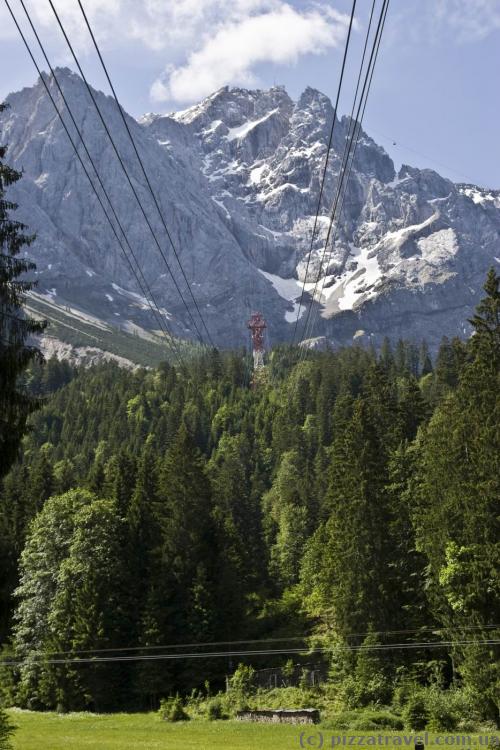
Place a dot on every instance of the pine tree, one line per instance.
(286, 519)
(486, 321)
(119, 480)
(15, 328)
(41, 480)
(6, 731)
(185, 553)
(456, 490)
(236, 514)
(344, 570)
(425, 362)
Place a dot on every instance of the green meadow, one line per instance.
(83, 731)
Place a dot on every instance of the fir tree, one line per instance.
(15, 328)
(6, 731)
(456, 489)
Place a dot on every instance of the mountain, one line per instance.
(237, 177)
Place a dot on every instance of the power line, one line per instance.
(397, 144)
(245, 653)
(132, 140)
(115, 149)
(330, 142)
(305, 336)
(357, 124)
(348, 148)
(163, 325)
(353, 124)
(347, 153)
(434, 629)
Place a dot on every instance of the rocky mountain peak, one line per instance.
(237, 177)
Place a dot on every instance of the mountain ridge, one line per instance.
(237, 177)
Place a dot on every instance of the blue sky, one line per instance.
(435, 97)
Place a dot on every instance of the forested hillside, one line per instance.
(353, 498)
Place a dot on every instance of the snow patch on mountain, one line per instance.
(242, 130)
(238, 177)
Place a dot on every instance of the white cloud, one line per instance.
(468, 20)
(444, 22)
(206, 43)
(279, 35)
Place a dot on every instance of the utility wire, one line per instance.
(115, 149)
(170, 340)
(132, 140)
(163, 325)
(395, 143)
(246, 653)
(434, 629)
(345, 159)
(349, 145)
(325, 169)
(347, 153)
(357, 125)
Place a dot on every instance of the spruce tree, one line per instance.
(6, 731)
(456, 489)
(15, 327)
(344, 571)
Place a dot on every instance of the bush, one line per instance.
(171, 709)
(452, 709)
(365, 720)
(6, 730)
(357, 694)
(416, 713)
(242, 680)
(215, 709)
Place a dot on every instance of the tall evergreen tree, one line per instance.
(15, 328)
(457, 489)
(6, 731)
(344, 570)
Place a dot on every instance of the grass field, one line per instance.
(50, 731)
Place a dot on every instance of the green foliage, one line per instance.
(6, 731)
(370, 684)
(172, 709)
(364, 720)
(215, 709)
(355, 494)
(416, 711)
(455, 490)
(241, 682)
(16, 403)
(72, 596)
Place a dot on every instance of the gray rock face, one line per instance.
(238, 177)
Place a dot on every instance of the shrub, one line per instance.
(215, 709)
(452, 709)
(365, 720)
(172, 709)
(416, 714)
(6, 730)
(242, 680)
(376, 690)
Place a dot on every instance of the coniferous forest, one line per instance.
(351, 501)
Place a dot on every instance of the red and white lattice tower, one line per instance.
(257, 326)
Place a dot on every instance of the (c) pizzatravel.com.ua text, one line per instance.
(309, 739)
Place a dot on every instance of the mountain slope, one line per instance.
(238, 177)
